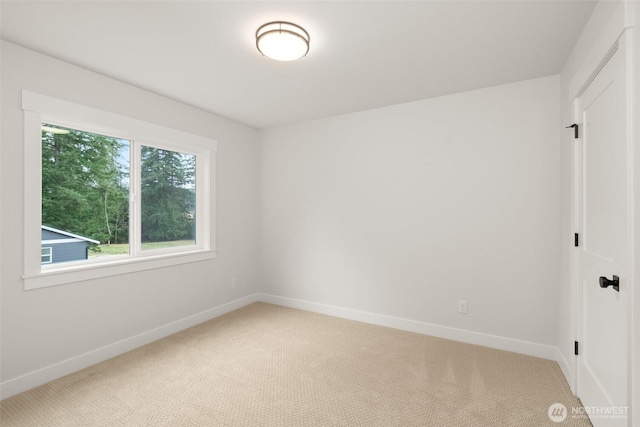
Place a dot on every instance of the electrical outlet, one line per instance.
(462, 307)
(234, 283)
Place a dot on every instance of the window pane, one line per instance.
(168, 198)
(45, 255)
(85, 194)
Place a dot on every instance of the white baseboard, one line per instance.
(470, 337)
(66, 367)
(567, 370)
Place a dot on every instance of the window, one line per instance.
(167, 198)
(85, 187)
(46, 255)
(139, 194)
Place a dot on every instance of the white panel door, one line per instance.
(604, 249)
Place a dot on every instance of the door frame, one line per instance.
(631, 59)
(633, 73)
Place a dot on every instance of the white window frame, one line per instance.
(40, 109)
(50, 254)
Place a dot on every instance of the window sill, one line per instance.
(81, 273)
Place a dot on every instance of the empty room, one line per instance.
(320, 213)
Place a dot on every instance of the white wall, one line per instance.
(402, 211)
(71, 325)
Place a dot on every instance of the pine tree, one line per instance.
(167, 194)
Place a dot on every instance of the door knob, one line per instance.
(605, 283)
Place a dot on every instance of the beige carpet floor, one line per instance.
(265, 365)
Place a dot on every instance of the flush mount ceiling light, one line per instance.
(282, 41)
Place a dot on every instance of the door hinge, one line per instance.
(575, 348)
(576, 240)
(575, 130)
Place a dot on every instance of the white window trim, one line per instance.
(38, 108)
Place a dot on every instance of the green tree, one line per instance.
(167, 195)
(84, 188)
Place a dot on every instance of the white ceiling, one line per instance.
(364, 54)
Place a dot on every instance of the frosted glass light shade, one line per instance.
(282, 41)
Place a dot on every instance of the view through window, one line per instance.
(168, 194)
(87, 186)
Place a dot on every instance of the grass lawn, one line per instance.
(123, 248)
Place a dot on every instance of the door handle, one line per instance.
(605, 283)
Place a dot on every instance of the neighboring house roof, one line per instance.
(71, 237)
